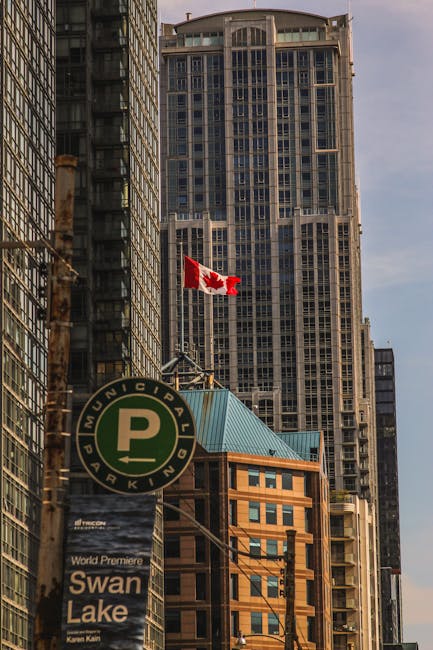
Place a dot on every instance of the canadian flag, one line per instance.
(197, 276)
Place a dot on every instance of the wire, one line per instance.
(243, 544)
(223, 547)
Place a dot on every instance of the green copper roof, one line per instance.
(304, 443)
(224, 423)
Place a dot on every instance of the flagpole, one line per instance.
(182, 319)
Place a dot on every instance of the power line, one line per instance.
(223, 546)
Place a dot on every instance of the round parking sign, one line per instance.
(135, 435)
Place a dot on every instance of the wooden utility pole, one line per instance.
(55, 473)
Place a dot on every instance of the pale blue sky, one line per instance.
(393, 91)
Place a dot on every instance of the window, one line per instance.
(200, 586)
(309, 556)
(273, 624)
(287, 480)
(200, 549)
(200, 620)
(272, 587)
(172, 546)
(310, 592)
(234, 545)
(308, 520)
(271, 513)
(255, 546)
(169, 514)
(199, 475)
(234, 586)
(233, 519)
(270, 479)
(272, 547)
(254, 511)
(172, 621)
(253, 477)
(287, 515)
(200, 511)
(234, 623)
(311, 636)
(255, 585)
(172, 583)
(232, 476)
(256, 622)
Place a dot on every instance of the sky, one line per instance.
(393, 103)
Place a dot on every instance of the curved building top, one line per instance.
(283, 19)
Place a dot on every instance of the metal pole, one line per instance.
(47, 634)
(182, 282)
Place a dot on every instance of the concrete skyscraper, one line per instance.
(259, 182)
(107, 116)
(258, 155)
(27, 179)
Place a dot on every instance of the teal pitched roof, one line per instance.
(224, 424)
(304, 443)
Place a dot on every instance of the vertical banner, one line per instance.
(107, 563)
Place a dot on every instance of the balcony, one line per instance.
(116, 233)
(341, 603)
(112, 201)
(348, 582)
(343, 533)
(115, 263)
(342, 559)
(117, 321)
(109, 72)
(115, 169)
(343, 629)
(342, 502)
(110, 104)
(109, 8)
(109, 39)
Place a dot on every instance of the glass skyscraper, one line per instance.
(389, 515)
(27, 208)
(107, 116)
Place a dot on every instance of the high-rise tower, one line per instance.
(258, 156)
(26, 216)
(107, 115)
(259, 181)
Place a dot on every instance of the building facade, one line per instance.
(388, 501)
(247, 487)
(107, 115)
(355, 586)
(27, 176)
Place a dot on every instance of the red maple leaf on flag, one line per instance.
(213, 280)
